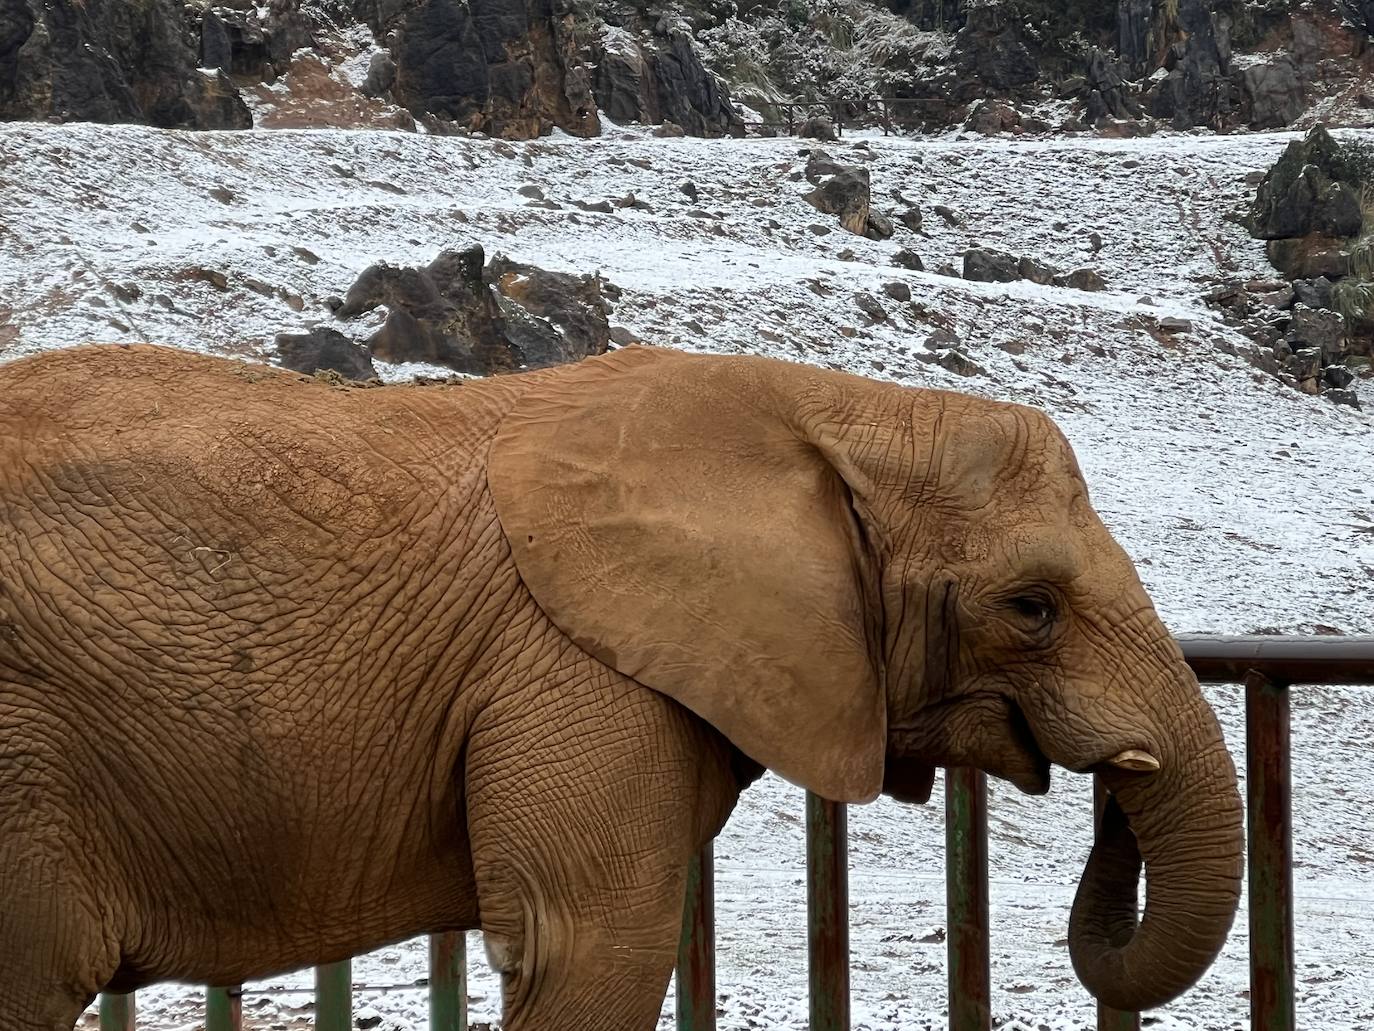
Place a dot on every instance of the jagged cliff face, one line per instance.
(519, 68)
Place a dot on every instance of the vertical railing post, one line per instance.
(117, 1012)
(1109, 1019)
(334, 996)
(827, 912)
(966, 900)
(448, 982)
(1270, 847)
(696, 950)
(223, 1009)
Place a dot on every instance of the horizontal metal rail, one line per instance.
(1267, 666)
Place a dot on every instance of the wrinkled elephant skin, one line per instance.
(290, 670)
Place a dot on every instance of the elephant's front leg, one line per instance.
(584, 810)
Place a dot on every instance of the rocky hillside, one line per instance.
(520, 68)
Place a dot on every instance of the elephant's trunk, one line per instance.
(1186, 823)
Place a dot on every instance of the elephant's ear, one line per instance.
(668, 515)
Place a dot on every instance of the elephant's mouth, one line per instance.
(984, 729)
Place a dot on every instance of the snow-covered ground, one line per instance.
(1247, 505)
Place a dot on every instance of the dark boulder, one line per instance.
(818, 127)
(479, 319)
(841, 190)
(324, 350)
(984, 265)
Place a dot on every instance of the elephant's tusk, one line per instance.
(1136, 760)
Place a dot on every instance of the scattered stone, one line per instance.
(847, 255)
(599, 207)
(324, 349)
(531, 191)
(1095, 241)
(897, 291)
(911, 218)
(1082, 279)
(951, 216)
(223, 195)
(908, 259)
(948, 270)
(940, 339)
(1169, 324)
(1342, 397)
(306, 255)
(669, 130)
(1036, 271)
(690, 189)
(818, 229)
(984, 265)
(1012, 346)
(1305, 364)
(214, 277)
(1318, 328)
(1337, 376)
(870, 306)
(990, 117)
(960, 364)
(841, 190)
(818, 127)
(1315, 293)
(879, 226)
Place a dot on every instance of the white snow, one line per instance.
(1246, 505)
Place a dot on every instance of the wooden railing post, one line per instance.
(448, 982)
(223, 1009)
(1109, 1019)
(696, 951)
(827, 912)
(117, 1012)
(334, 996)
(1270, 847)
(966, 900)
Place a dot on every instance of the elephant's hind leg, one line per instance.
(581, 836)
(54, 956)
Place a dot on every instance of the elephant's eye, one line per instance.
(1033, 612)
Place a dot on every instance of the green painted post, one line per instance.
(696, 951)
(966, 900)
(1270, 848)
(117, 1012)
(223, 1009)
(827, 912)
(448, 982)
(334, 996)
(1109, 1019)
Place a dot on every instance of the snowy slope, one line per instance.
(1247, 505)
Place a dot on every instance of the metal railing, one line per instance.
(1266, 666)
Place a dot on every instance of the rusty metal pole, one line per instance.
(966, 900)
(448, 982)
(117, 1012)
(696, 950)
(224, 1009)
(334, 996)
(1270, 847)
(1109, 1019)
(827, 912)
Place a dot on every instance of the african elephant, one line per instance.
(290, 670)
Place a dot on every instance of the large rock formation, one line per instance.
(109, 61)
(507, 67)
(661, 79)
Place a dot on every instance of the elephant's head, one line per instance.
(856, 582)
